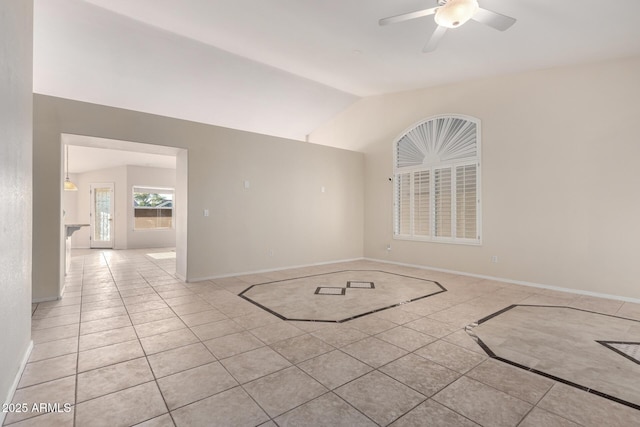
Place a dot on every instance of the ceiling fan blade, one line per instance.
(493, 19)
(407, 16)
(432, 44)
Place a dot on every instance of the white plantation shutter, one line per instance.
(466, 201)
(437, 191)
(442, 202)
(444, 139)
(403, 203)
(421, 203)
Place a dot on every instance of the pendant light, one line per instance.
(68, 185)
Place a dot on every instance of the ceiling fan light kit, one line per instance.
(453, 13)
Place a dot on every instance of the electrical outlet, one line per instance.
(388, 248)
(206, 212)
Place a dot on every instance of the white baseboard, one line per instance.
(44, 299)
(269, 270)
(516, 282)
(16, 380)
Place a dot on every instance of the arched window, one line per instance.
(437, 181)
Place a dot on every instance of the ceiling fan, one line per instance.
(452, 14)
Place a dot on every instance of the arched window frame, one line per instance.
(451, 167)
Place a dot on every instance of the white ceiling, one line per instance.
(284, 67)
(90, 154)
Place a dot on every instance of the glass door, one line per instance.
(102, 215)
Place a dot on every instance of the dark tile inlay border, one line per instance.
(490, 353)
(620, 352)
(319, 290)
(356, 284)
(242, 294)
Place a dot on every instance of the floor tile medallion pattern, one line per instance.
(630, 350)
(591, 351)
(363, 292)
(130, 344)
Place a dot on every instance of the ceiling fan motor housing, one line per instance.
(453, 13)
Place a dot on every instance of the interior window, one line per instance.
(152, 208)
(437, 181)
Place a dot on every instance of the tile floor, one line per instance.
(129, 344)
(338, 296)
(566, 343)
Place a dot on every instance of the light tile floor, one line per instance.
(566, 343)
(129, 344)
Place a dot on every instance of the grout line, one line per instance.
(75, 392)
(547, 410)
(590, 390)
(200, 341)
(453, 410)
(155, 379)
(53, 357)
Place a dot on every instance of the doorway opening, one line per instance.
(109, 175)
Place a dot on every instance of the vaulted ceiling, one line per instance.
(284, 67)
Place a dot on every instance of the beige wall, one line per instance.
(16, 40)
(181, 212)
(283, 210)
(560, 175)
